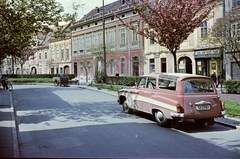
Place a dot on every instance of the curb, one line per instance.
(14, 130)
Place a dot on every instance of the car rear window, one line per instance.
(198, 86)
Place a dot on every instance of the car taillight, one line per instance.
(179, 108)
(222, 104)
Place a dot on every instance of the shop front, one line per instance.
(208, 61)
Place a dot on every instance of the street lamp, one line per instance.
(104, 47)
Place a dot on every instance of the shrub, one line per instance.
(122, 80)
(70, 76)
(232, 86)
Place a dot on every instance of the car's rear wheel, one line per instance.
(200, 121)
(160, 118)
(126, 109)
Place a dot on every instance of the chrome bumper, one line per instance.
(223, 112)
(177, 115)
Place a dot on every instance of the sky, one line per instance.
(87, 5)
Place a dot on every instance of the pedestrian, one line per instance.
(220, 79)
(214, 77)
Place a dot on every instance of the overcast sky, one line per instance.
(88, 5)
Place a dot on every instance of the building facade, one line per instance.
(192, 57)
(124, 48)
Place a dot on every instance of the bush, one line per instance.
(232, 86)
(122, 80)
(70, 76)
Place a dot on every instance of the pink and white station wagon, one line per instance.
(173, 97)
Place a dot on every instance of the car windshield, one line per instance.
(198, 86)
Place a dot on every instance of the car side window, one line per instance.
(151, 83)
(142, 82)
(167, 84)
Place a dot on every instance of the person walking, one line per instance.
(220, 79)
(214, 77)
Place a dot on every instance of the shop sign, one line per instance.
(207, 53)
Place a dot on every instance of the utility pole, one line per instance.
(104, 47)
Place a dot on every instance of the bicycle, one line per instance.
(6, 84)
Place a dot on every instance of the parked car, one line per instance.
(173, 97)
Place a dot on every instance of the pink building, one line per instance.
(124, 48)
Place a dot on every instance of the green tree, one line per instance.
(21, 20)
(225, 33)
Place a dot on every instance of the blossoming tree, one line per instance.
(171, 21)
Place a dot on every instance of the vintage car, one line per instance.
(173, 97)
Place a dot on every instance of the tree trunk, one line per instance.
(175, 61)
(21, 70)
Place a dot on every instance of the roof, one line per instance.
(107, 7)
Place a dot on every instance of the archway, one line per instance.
(185, 65)
(33, 70)
(66, 70)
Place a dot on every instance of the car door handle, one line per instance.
(214, 97)
(153, 93)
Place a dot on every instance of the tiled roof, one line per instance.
(107, 7)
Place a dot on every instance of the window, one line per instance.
(88, 42)
(142, 82)
(112, 67)
(52, 53)
(75, 45)
(67, 53)
(100, 38)
(169, 84)
(81, 44)
(198, 86)
(62, 54)
(135, 65)
(122, 36)
(163, 65)
(151, 37)
(204, 29)
(235, 3)
(112, 37)
(57, 53)
(151, 83)
(45, 55)
(95, 39)
(40, 56)
(123, 66)
(134, 34)
(151, 65)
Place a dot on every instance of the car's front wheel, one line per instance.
(160, 118)
(126, 109)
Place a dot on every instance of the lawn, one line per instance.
(232, 108)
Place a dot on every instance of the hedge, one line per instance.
(232, 86)
(71, 76)
(122, 80)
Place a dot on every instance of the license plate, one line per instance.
(203, 107)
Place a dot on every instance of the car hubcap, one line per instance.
(159, 116)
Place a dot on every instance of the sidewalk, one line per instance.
(8, 131)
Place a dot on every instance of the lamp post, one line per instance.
(104, 47)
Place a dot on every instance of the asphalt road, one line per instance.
(64, 122)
